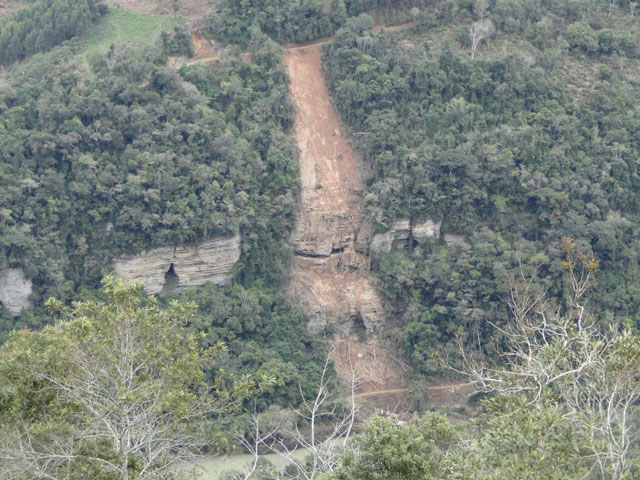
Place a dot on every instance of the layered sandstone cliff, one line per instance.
(401, 234)
(175, 268)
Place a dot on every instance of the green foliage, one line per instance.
(178, 42)
(96, 163)
(282, 20)
(560, 403)
(295, 20)
(502, 152)
(582, 37)
(388, 451)
(514, 440)
(115, 389)
(45, 24)
(264, 334)
(122, 27)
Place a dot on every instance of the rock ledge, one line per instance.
(176, 268)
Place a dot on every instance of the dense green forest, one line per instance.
(563, 406)
(130, 154)
(296, 20)
(45, 24)
(513, 123)
(504, 148)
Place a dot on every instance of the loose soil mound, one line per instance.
(204, 51)
(202, 46)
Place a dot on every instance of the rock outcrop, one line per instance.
(15, 289)
(394, 239)
(401, 233)
(320, 235)
(421, 231)
(177, 268)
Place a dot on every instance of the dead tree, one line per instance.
(324, 452)
(480, 8)
(479, 31)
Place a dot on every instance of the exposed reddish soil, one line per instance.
(441, 393)
(372, 363)
(434, 389)
(202, 45)
(8, 6)
(194, 10)
(333, 280)
(450, 394)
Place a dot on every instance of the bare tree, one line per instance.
(252, 444)
(480, 8)
(594, 375)
(324, 451)
(479, 31)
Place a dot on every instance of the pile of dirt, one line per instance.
(370, 363)
(204, 51)
(202, 45)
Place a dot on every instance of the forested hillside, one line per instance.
(45, 24)
(508, 129)
(127, 154)
(130, 154)
(529, 138)
(296, 20)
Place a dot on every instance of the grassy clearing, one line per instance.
(216, 468)
(129, 28)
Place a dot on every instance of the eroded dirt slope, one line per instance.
(330, 276)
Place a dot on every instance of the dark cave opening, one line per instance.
(171, 280)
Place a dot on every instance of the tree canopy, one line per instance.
(44, 24)
(511, 149)
(296, 20)
(115, 389)
(129, 154)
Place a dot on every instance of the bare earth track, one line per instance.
(204, 52)
(450, 394)
(330, 276)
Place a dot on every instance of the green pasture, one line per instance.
(128, 28)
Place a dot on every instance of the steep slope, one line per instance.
(330, 277)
